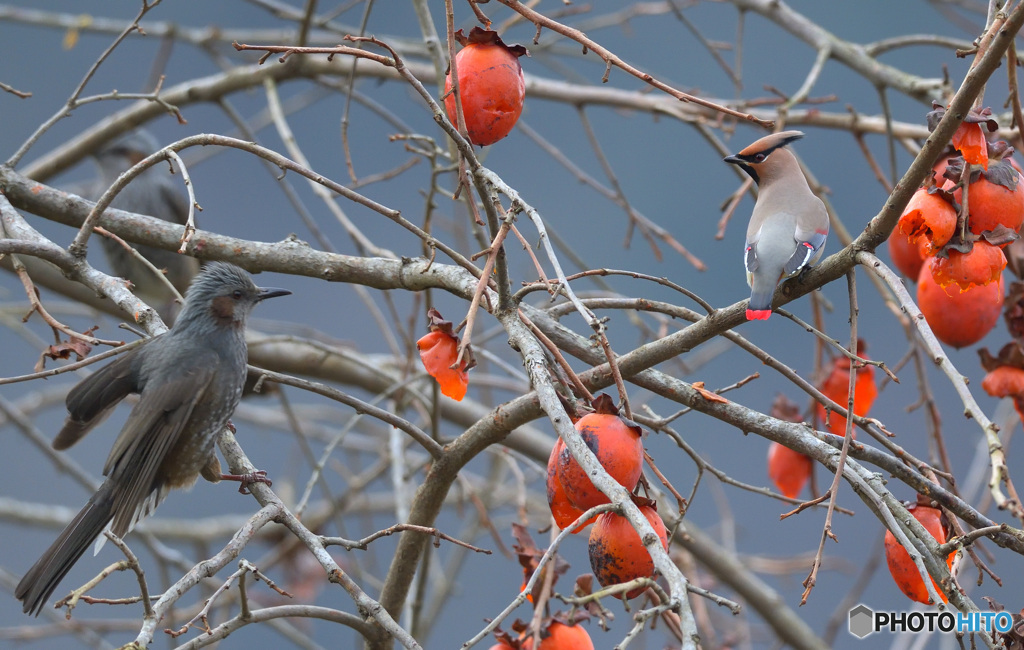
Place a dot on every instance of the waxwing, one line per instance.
(789, 224)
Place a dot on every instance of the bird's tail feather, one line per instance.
(760, 306)
(44, 576)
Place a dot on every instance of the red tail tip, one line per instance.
(758, 314)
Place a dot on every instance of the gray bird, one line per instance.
(154, 193)
(189, 381)
(789, 225)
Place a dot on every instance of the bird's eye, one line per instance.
(237, 294)
(759, 157)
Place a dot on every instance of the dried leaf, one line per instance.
(529, 558)
(785, 409)
(708, 395)
(478, 35)
(65, 349)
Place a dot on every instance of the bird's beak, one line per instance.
(732, 159)
(268, 292)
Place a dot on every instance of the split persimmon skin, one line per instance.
(438, 351)
(982, 265)
(928, 220)
(958, 318)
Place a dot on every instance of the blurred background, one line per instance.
(667, 170)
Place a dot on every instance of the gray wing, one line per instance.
(153, 428)
(807, 251)
(94, 398)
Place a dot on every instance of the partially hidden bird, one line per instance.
(154, 193)
(789, 225)
(189, 381)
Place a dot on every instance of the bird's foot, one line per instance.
(245, 480)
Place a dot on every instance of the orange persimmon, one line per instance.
(970, 141)
(559, 636)
(928, 220)
(563, 512)
(788, 469)
(491, 86)
(616, 443)
(906, 255)
(983, 264)
(439, 350)
(837, 387)
(958, 318)
(902, 568)
(1004, 381)
(617, 554)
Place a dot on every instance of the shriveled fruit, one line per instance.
(491, 85)
(788, 469)
(928, 219)
(984, 263)
(439, 350)
(563, 512)
(837, 387)
(906, 255)
(902, 568)
(958, 318)
(559, 636)
(617, 554)
(970, 141)
(617, 446)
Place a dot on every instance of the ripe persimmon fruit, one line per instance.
(491, 86)
(906, 255)
(1004, 381)
(928, 220)
(617, 554)
(559, 636)
(618, 447)
(563, 512)
(902, 568)
(984, 263)
(788, 469)
(995, 198)
(958, 318)
(837, 387)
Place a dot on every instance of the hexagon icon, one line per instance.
(861, 621)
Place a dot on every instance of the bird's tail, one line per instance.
(44, 576)
(760, 306)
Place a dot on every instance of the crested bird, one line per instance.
(154, 193)
(189, 381)
(789, 224)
